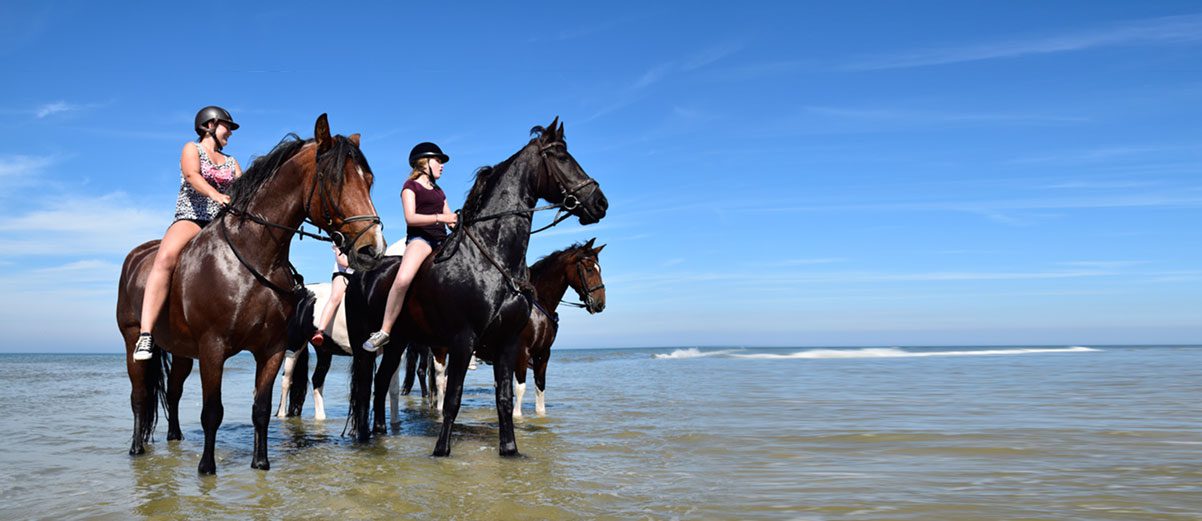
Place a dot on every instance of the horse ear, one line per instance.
(321, 133)
(598, 249)
(590, 242)
(560, 131)
(354, 139)
(550, 133)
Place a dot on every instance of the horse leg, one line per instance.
(181, 367)
(502, 371)
(286, 384)
(319, 384)
(423, 360)
(389, 362)
(394, 397)
(267, 366)
(540, 384)
(411, 354)
(519, 382)
(457, 362)
(438, 375)
(212, 412)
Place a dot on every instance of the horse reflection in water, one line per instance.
(471, 294)
(232, 290)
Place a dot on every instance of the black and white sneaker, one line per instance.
(144, 348)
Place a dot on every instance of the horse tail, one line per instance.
(300, 382)
(301, 327)
(154, 382)
(363, 364)
(363, 370)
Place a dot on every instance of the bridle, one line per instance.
(569, 202)
(586, 294)
(337, 236)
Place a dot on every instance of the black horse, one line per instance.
(471, 295)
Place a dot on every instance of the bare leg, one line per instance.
(415, 253)
(177, 236)
(337, 290)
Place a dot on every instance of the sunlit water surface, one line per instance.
(1052, 433)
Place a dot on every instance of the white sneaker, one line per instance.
(375, 341)
(144, 348)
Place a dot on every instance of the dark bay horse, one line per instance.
(233, 288)
(576, 267)
(471, 295)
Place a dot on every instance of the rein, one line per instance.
(337, 237)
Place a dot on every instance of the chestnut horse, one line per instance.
(471, 294)
(233, 288)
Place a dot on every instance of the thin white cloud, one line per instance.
(23, 166)
(108, 224)
(53, 108)
(1184, 29)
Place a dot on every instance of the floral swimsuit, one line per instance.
(195, 206)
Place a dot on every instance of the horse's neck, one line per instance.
(279, 201)
(550, 283)
(508, 237)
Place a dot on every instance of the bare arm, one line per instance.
(189, 163)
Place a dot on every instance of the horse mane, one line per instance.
(265, 167)
(487, 177)
(555, 255)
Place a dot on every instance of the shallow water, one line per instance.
(916, 433)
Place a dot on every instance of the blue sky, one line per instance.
(779, 173)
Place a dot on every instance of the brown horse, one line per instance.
(233, 288)
(471, 294)
(574, 267)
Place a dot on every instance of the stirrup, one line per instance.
(375, 341)
(144, 348)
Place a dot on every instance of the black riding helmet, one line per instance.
(426, 149)
(210, 113)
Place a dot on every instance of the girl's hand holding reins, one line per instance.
(448, 218)
(222, 199)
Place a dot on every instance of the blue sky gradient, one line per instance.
(779, 173)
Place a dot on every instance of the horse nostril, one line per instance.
(368, 251)
(603, 203)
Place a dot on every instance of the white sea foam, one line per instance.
(693, 352)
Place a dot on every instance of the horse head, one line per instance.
(339, 197)
(563, 181)
(584, 275)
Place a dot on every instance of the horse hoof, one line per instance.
(441, 453)
(174, 436)
(380, 429)
(207, 470)
(511, 454)
(261, 465)
(137, 450)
